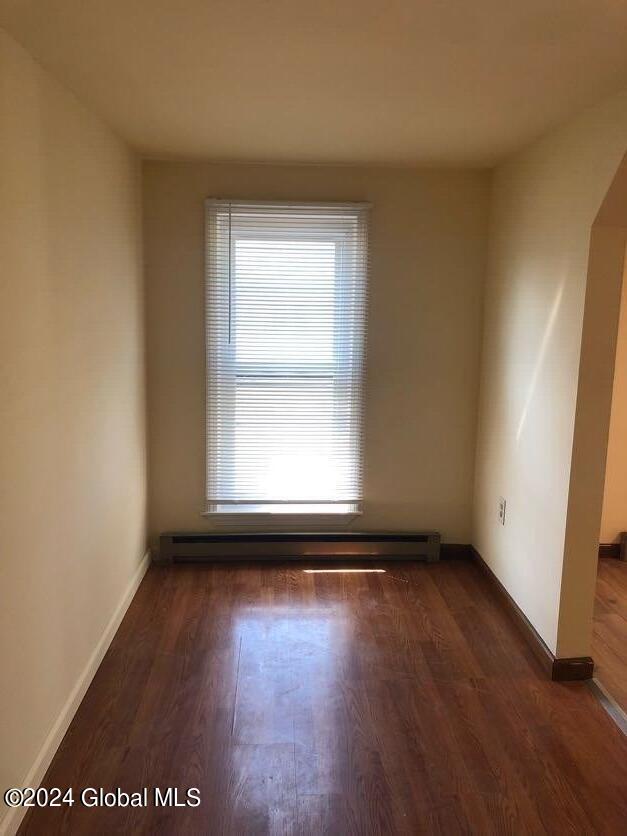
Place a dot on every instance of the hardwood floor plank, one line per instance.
(609, 633)
(396, 703)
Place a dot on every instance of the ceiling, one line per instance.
(401, 82)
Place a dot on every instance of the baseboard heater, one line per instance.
(179, 547)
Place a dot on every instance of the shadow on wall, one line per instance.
(548, 331)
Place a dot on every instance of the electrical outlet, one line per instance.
(502, 507)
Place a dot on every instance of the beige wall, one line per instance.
(72, 472)
(544, 204)
(614, 518)
(427, 246)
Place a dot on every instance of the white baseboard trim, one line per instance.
(12, 820)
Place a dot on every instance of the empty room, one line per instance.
(312, 430)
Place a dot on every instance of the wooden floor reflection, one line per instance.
(400, 702)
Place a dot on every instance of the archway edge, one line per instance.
(606, 267)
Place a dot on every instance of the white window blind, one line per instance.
(286, 297)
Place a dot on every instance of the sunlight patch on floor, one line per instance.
(341, 571)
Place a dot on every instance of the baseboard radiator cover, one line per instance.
(179, 547)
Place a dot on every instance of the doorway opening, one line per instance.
(609, 626)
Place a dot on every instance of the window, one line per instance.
(286, 286)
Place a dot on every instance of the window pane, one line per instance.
(284, 429)
(284, 301)
(285, 333)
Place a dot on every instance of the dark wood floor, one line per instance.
(396, 703)
(609, 638)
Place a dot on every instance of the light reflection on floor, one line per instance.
(341, 571)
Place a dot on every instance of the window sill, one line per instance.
(277, 520)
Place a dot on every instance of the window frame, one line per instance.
(295, 518)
